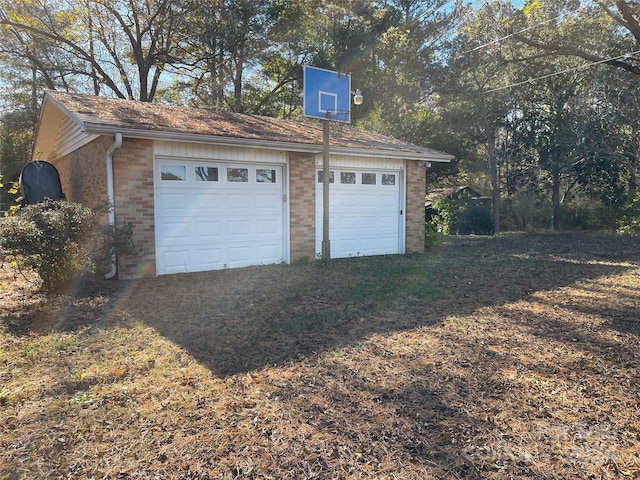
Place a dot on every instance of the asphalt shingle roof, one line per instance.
(96, 113)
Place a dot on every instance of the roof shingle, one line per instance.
(95, 113)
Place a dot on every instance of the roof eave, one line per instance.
(49, 117)
(101, 129)
(393, 154)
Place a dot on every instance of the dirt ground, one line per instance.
(512, 357)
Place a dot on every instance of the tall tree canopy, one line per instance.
(602, 31)
(113, 47)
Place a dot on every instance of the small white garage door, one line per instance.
(365, 216)
(211, 216)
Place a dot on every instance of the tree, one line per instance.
(613, 28)
(16, 136)
(227, 40)
(557, 37)
(556, 119)
(121, 46)
(608, 157)
(472, 97)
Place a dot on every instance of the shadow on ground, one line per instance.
(473, 399)
(241, 320)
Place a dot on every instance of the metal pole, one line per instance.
(326, 246)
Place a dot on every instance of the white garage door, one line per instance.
(211, 216)
(364, 213)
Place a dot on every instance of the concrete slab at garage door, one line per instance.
(364, 212)
(212, 216)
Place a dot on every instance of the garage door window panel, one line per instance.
(388, 179)
(348, 178)
(173, 173)
(264, 175)
(368, 179)
(207, 174)
(321, 176)
(238, 175)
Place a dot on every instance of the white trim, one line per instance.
(66, 111)
(403, 205)
(217, 152)
(265, 144)
(360, 163)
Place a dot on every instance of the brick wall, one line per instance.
(83, 173)
(302, 206)
(83, 176)
(416, 178)
(133, 192)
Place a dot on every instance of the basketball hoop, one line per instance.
(327, 97)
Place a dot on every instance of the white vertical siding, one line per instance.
(359, 163)
(217, 152)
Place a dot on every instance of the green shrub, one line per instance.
(51, 238)
(450, 212)
(524, 212)
(461, 216)
(630, 221)
(432, 237)
(59, 240)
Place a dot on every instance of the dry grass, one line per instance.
(509, 358)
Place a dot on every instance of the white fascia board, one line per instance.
(103, 129)
(392, 154)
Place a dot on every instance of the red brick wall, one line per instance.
(302, 206)
(133, 192)
(416, 178)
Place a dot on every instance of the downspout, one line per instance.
(110, 198)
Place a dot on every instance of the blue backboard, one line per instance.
(327, 94)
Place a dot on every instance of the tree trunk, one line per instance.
(555, 201)
(495, 185)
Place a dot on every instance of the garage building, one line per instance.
(213, 190)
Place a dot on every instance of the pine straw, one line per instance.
(509, 357)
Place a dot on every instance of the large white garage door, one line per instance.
(365, 216)
(211, 216)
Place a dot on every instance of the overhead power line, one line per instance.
(568, 70)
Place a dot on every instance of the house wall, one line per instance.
(83, 177)
(302, 206)
(416, 177)
(83, 173)
(133, 198)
